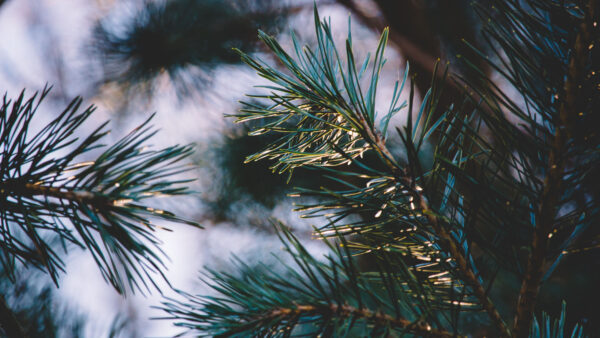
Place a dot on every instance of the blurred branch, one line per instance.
(417, 55)
(8, 321)
(412, 33)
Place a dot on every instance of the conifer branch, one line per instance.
(96, 204)
(329, 120)
(553, 182)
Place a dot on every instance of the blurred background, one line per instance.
(131, 58)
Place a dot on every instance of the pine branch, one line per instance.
(182, 39)
(447, 241)
(553, 183)
(98, 205)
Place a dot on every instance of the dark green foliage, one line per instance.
(181, 38)
(507, 194)
(52, 187)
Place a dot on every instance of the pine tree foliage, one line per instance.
(508, 172)
(54, 194)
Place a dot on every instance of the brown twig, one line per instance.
(30, 189)
(553, 183)
(72, 195)
(419, 328)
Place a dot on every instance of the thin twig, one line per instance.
(61, 193)
(72, 195)
(420, 328)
